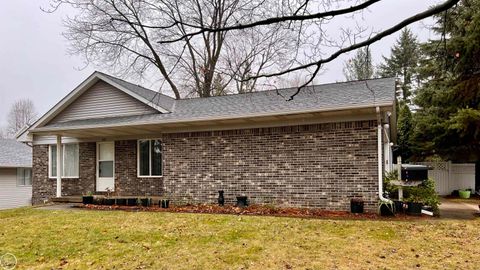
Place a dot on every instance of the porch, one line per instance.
(97, 167)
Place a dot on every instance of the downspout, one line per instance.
(380, 160)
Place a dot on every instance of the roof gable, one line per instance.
(137, 93)
(102, 100)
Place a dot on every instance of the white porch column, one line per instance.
(59, 166)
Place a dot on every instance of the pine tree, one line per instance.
(405, 130)
(403, 62)
(448, 120)
(359, 67)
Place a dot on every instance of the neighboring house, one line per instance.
(319, 150)
(15, 174)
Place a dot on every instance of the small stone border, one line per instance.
(254, 210)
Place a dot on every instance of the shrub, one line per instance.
(424, 193)
(387, 183)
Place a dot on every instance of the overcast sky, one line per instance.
(34, 62)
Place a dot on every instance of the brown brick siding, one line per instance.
(321, 165)
(44, 188)
(126, 180)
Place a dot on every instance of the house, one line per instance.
(15, 174)
(321, 149)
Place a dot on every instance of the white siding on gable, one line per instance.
(12, 195)
(102, 100)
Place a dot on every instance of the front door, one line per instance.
(105, 166)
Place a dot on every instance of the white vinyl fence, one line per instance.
(450, 176)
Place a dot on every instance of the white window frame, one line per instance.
(149, 159)
(63, 162)
(31, 176)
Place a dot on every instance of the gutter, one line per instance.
(207, 118)
(380, 160)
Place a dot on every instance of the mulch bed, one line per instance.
(254, 210)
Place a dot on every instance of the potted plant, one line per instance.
(415, 201)
(132, 201)
(242, 201)
(88, 199)
(399, 206)
(386, 208)
(464, 193)
(164, 203)
(121, 201)
(356, 205)
(414, 207)
(145, 202)
(108, 200)
(423, 194)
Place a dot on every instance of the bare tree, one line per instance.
(308, 19)
(125, 36)
(185, 41)
(254, 51)
(3, 133)
(21, 113)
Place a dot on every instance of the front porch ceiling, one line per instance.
(146, 130)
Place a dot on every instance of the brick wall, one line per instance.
(126, 180)
(322, 165)
(44, 188)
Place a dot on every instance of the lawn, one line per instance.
(45, 239)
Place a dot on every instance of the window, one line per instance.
(24, 176)
(149, 158)
(70, 161)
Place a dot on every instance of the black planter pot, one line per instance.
(132, 201)
(242, 201)
(221, 198)
(121, 202)
(146, 202)
(414, 209)
(399, 207)
(87, 199)
(387, 210)
(356, 206)
(99, 201)
(164, 203)
(108, 201)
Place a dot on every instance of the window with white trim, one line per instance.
(70, 159)
(24, 177)
(149, 156)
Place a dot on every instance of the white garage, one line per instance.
(15, 174)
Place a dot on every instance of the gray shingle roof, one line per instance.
(157, 98)
(15, 154)
(333, 96)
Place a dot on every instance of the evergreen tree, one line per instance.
(448, 120)
(403, 62)
(405, 130)
(359, 67)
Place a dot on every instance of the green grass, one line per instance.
(44, 239)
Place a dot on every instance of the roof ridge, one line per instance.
(289, 88)
(138, 85)
(248, 93)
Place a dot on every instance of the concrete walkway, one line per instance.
(459, 209)
(60, 206)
